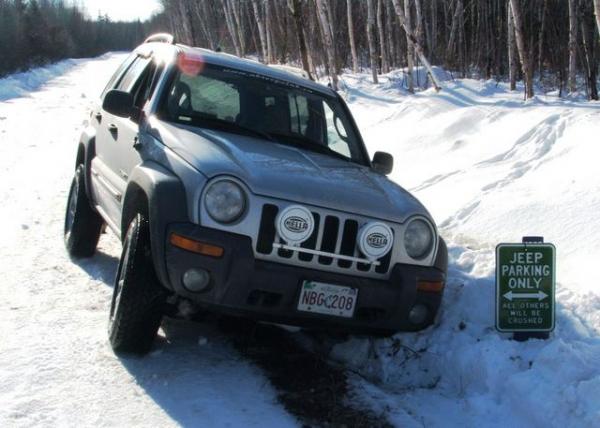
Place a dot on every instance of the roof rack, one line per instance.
(161, 38)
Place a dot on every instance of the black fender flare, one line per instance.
(86, 151)
(441, 258)
(158, 193)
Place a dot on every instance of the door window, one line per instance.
(115, 77)
(129, 80)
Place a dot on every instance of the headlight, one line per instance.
(418, 239)
(225, 201)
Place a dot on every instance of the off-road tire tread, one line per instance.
(142, 300)
(87, 223)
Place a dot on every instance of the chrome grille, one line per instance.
(334, 233)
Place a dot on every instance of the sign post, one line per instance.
(525, 283)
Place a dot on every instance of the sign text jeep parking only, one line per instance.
(525, 281)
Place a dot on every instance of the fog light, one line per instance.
(196, 280)
(418, 314)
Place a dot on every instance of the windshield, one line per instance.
(252, 104)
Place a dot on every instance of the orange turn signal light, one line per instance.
(430, 286)
(195, 246)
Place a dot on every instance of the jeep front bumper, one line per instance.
(241, 285)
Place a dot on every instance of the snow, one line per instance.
(490, 168)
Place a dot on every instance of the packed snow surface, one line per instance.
(489, 167)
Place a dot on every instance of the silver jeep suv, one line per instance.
(247, 191)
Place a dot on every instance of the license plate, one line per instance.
(327, 299)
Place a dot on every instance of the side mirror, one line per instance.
(383, 162)
(119, 103)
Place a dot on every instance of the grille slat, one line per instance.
(329, 238)
(310, 242)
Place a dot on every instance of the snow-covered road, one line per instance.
(489, 167)
(56, 367)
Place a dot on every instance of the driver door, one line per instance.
(115, 139)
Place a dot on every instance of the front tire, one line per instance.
(138, 298)
(83, 225)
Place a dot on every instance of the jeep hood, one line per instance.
(285, 172)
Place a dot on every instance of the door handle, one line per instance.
(113, 129)
(99, 117)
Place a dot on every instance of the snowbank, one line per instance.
(491, 168)
(21, 84)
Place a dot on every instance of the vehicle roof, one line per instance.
(231, 61)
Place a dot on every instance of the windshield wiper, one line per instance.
(308, 144)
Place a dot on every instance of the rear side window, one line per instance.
(115, 77)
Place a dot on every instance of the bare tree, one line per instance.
(410, 50)
(261, 29)
(541, 38)
(351, 37)
(521, 47)
(417, 46)
(371, 39)
(327, 41)
(512, 59)
(295, 7)
(597, 13)
(572, 46)
(589, 42)
(389, 14)
(235, 6)
(382, 48)
(231, 26)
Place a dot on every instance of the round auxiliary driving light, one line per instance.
(418, 314)
(295, 224)
(375, 240)
(196, 280)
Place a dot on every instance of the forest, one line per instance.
(37, 32)
(550, 45)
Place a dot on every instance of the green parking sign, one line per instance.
(525, 282)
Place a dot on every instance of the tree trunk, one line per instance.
(371, 39)
(269, 32)
(453, 31)
(351, 37)
(409, 45)
(591, 65)
(331, 22)
(328, 41)
(385, 68)
(234, 7)
(572, 46)
(389, 14)
(597, 13)
(231, 27)
(434, 29)
(261, 29)
(541, 39)
(295, 7)
(523, 52)
(417, 46)
(419, 23)
(512, 59)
